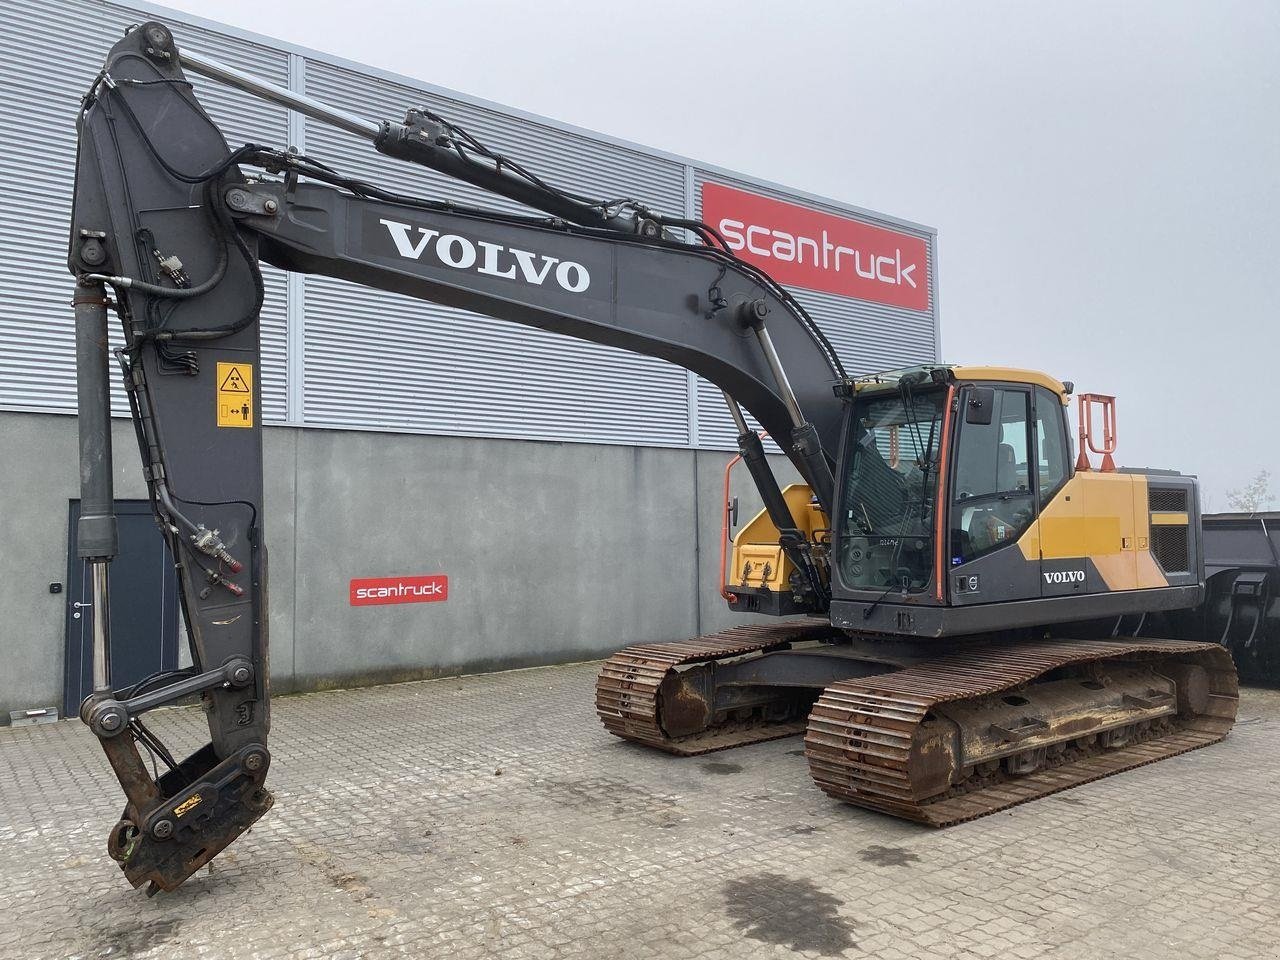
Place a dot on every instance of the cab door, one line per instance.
(1064, 522)
(992, 497)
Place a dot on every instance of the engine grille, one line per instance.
(1171, 547)
(1167, 501)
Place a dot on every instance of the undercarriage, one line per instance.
(933, 735)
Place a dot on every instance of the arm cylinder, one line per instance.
(408, 142)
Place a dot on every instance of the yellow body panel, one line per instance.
(1102, 516)
(758, 560)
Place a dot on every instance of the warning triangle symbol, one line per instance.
(234, 382)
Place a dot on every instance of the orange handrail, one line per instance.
(724, 528)
(1085, 427)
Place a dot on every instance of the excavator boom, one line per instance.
(171, 219)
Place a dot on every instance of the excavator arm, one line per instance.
(174, 224)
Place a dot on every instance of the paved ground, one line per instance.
(492, 817)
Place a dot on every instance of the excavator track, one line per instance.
(893, 743)
(630, 694)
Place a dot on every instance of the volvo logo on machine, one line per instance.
(1063, 576)
(483, 257)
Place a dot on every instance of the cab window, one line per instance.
(885, 526)
(992, 500)
(1051, 442)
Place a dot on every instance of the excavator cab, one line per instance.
(960, 510)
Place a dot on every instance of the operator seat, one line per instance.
(1006, 470)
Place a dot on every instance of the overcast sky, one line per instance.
(1104, 177)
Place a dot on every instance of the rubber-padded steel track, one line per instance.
(860, 733)
(628, 688)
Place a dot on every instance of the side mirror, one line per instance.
(978, 405)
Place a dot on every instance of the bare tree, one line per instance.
(1254, 496)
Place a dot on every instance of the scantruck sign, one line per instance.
(371, 590)
(801, 247)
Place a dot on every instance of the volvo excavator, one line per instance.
(966, 616)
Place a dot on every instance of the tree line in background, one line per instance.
(1254, 497)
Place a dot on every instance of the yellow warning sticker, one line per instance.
(235, 394)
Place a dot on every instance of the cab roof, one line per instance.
(949, 373)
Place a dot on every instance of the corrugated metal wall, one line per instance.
(362, 358)
(51, 51)
(421, 366)
(43, 81)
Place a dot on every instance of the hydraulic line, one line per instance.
(525, 187)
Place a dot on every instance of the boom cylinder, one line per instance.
(804, 436)
(752, 450)
(779, 373)
(775, 504)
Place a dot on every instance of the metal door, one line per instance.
(144, 606)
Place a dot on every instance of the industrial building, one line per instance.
(543, 486)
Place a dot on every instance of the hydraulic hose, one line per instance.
(168, 293)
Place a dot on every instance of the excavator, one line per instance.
(964, 616)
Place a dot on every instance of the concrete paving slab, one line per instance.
(492, 816)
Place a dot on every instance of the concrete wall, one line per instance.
(554, 551)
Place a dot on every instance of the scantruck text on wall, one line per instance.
(807, 248)
(374, 590)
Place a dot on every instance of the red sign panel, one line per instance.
(371, 590)
(801, 247)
